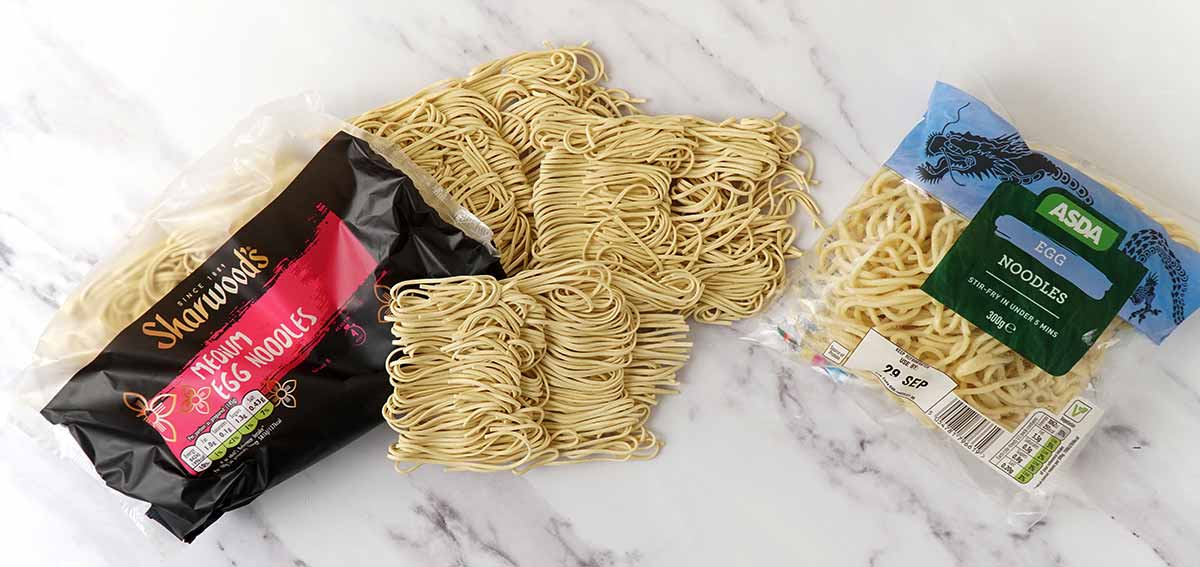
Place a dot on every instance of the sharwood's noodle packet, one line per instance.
(982, 283)
(235, 338)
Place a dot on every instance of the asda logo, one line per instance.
(1078, 221)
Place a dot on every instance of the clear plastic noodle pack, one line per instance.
(234, 338)
(988, 287)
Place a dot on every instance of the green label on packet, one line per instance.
(1040, 273)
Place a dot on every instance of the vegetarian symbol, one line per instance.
(1078, 411)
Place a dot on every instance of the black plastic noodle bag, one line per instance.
(235, 339)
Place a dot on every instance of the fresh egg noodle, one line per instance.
(551, 366)
(869, 269)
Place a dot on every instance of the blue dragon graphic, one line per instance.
(1006, 158)
(1143, 245)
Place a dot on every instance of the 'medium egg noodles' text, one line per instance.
(241, 354)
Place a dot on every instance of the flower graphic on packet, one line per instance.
(195, 399)
(154, 411)
(283, 394)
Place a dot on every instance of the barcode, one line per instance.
(968, 426)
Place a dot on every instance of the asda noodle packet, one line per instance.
(987, 286)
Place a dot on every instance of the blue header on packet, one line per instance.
(961, 150)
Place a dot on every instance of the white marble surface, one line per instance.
(100, 105)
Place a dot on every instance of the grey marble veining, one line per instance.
(766, 462)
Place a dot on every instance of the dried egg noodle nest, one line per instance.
(869, 269)
(552, 366)
(536, 84)
(451, 132)
(696, 212)
(610, 201)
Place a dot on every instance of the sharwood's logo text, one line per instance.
(250, 265)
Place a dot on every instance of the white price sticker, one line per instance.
(900, 372)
